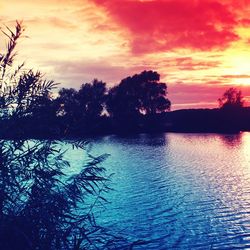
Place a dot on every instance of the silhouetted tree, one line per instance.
(45, 107)
(69, 111)
(92, 97)
(69, 103)
(82, 109)
(231, 99)
(137, 95)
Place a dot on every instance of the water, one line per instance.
(179, 191)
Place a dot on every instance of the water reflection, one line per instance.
(179, 191)
(232, 140)
(158, 139)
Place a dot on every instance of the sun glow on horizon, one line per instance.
(237, 67)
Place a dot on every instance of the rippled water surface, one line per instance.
(179, 191)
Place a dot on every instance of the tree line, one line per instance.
(93, 108)
(230, 117)
(137, 104)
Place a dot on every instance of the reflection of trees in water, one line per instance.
(232, 140)
(157, 139)
(228, 140)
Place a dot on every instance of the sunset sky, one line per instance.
(200, 47)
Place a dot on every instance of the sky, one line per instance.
(199, 47)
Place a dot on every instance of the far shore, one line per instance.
(178, 121)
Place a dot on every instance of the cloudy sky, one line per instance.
(199, 47)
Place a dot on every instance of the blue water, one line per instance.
(178, 191)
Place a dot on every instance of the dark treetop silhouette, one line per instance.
(139, 100)
(231, 99)
(81, 110)
(137, 95)
(135, 98)
(134, 104)
(230, 117)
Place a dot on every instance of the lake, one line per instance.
(178, 191)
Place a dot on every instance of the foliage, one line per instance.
(19, 89)
(81, 110)
(41, 206)
(139, 94)
(231, 99)
(88, 102)
(92, 98)
(69, 105)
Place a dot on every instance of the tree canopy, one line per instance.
(88, 102)
(140, 94)
(91, 97)
(231, 99)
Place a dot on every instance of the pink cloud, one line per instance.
(170, 24)
(188, 63)
(74, 73)
(236, 76)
